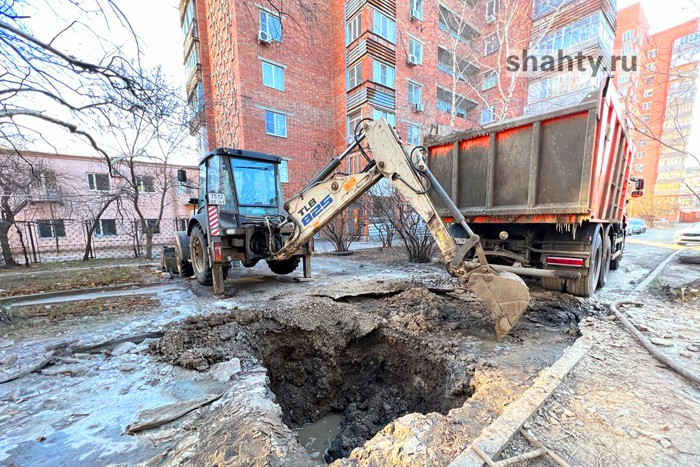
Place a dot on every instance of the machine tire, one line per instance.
(284, 267)
(585, 286)
(615, 263)
(199, 257)
(184, 267)
(605, 263)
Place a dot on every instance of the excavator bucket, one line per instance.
(504, 293)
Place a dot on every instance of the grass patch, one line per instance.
(67, 279)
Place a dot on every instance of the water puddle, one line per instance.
(317, 437)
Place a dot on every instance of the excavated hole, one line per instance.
(369, 382)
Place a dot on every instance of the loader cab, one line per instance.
(244, 184)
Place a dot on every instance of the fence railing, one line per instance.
(65, 240)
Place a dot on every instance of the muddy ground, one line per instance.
(374, 361)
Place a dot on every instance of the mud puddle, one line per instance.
(317, 437)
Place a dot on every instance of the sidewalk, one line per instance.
(326, 246)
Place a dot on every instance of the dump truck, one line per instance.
(240, 215)
(545, 194)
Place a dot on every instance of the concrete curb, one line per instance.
(494, 438)
(18, 299)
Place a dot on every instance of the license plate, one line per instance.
(217, 199)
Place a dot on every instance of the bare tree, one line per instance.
(47, 81)
(341, 232)
(146, 139)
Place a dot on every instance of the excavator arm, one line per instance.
(329, 194)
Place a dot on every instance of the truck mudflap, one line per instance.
(504, 294)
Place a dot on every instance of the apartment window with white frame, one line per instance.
(415, 50)
(273, 75)
(275, 124)
(490, 80)
(380, 113)
(413, 134)
(383, 74)
(491, 44)
(640, 155)
(627, 35)
(646, 106)
(146, 184)
(106, 228)
(51, 228)
(488, 115)
(642, 143)
(646, 118)
(648, 93)
(623, 79)
(653, 53)
(98, 182)
(416, 9)
(354, 77)
(352, 29)
(384, 27)
(492, 7)
(353, 120)
(415, 92)
(271, 24)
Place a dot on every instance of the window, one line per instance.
(490, 80)
(627, 50)
(384, 74)
(651, 67)
(648, 93)
(639, 167)
(623, 79)
(488, 115)
(444, 103)
(414, 93)
(196, 98)
(492, 7)
(652, 53)
(384, 27)
(146, 184)
(645, 118)
(271, 24)
(646, 106)
(643, 142)
(353, 119)
(650, 80)
(627, 35)
(389, 116)
(413, 136)
(188, 18)
(51, 228)
(275, 124)
(491, 44)
(416, 9)
(415, 49)
(151, 224)
(192, 61)
(456, 27)
(185, 188)
(352, 29)
(545, 7)
(45, 180)
(106, 227)
(284, 171)
(273, 75)
(354, 77)
(98, 182)
(640, 155)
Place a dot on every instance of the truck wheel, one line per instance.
(284, 267)
(615, 264)
(199, 257)
(585, 286)
(184, 267)
(605, 263)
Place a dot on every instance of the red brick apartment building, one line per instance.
(660, 99)
(293, 78)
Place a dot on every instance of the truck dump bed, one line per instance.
(563, 167)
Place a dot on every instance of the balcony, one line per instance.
(44, 195)
(191, 38)
(194, 78)
(198, 121)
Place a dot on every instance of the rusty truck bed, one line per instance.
(563, 167)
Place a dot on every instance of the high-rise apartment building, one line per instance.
(295, 78)
(661, 98)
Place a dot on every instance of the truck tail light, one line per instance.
(559, 261)
(218, 252)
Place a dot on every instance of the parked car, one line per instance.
(636, 226)
(689, 235)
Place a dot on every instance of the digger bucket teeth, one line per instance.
(505, 294)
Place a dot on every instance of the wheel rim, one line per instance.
(197, 255)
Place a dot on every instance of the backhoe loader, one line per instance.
(240, 216)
